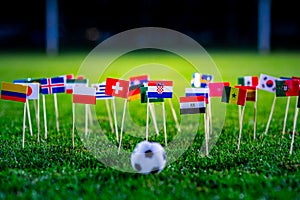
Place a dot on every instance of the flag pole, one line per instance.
(35, 109)
(56, 111)
(165, 125)
(294, 127)
(38, 118)
(24, 122)
(90, 117)
(29, 117)
(152, 111)
(210, 116)
(255, 120)
(73, 124)
(115, 118)
(109, 116)
(271, 113)
(241, 126)
(205, 134)
(86, 119)
(45, 116)
(122, 125)
(174, 114)
(286, 114)
(147, 120)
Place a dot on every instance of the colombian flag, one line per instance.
(14, 92)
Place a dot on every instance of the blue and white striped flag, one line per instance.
(100, 91)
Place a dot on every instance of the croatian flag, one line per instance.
(100, 91)
(197, 92)
(53, 85)
(160, 89)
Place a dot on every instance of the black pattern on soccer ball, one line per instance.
(137, 167)
(155, 170)
(148, 153)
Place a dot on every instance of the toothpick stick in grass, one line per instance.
(165, 125)
(122, 125)
(29, 117)
(73, 124)
(174, 114)
(115, 118)
(24, 124)
(241, 126)
(271, 114)
(38, 119)
(45, 117)
(153, 115)
(295, 124)
(86, 119)
(109, 116)
(255, 120)
(147, 120)
(56, 111)
(286, 114)
(90, 116)
(205, 134)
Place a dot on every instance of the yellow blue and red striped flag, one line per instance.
(14, 92)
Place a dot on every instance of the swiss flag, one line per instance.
(117, 87)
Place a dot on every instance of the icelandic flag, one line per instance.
(160, 89)
(53, 85)
(197, 92)
(100, 91)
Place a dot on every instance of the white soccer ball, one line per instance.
(148, 157)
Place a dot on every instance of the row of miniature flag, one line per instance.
(132, 89)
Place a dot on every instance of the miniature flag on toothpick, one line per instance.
(248, 81)
(134, 92)
(136, 80)
(117, 87)
(14, 92)
(197, 92)
(251, 92)
(84, 95)
(286, 88)
(144, 96)
(267, 83)
(100, 95)
(53, 85)
(216, 88)
(192, 105)
(100, 91)
(71, 83)
(160, 89)
(201, 80)
(234, 96)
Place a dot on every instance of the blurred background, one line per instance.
(53, 25)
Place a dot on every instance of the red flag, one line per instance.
(251, 92)
(117, 87)
(215, 89)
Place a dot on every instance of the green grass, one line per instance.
(262, 169)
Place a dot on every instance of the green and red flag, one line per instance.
(286, 88)
(234, 95)
(248, 81)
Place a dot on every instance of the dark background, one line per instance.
(83, 24)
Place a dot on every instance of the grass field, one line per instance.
(51, 169)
